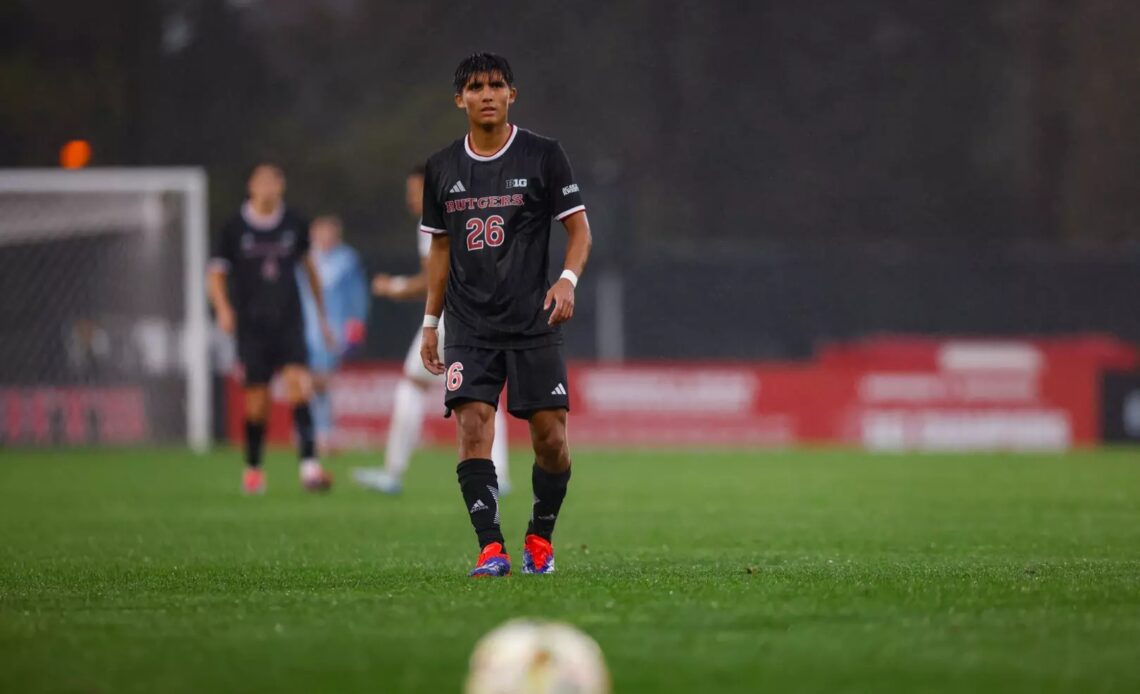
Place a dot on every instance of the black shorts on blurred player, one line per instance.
(264, 352)
(535, 378)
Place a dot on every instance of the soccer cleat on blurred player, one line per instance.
(538, 555)
(493, 561)
(377, 480)
(315, 478)
(253, 481)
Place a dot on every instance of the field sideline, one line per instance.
(696, 572)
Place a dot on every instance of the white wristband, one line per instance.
(569, 275)
(431, 321)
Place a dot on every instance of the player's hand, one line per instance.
(389, 286)
(561, 295)
(226, 320)
(382, 285)
(429, 351)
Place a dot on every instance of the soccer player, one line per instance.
(258, 252)
(408, 412)
(344, 287)
(489, 199)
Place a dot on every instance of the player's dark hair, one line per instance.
(417, 170)
(265, 161)
(477, 63)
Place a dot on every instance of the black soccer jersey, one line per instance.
(497, 212)
(261, 259)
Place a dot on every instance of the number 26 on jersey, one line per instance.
(481, 232)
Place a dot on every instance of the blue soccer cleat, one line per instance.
(493, 561)
(538, 555)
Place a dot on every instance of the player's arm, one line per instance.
(217, 274)
(438, 265)
(577, 253)
(567, 207)
(219, 298)
(402, 287)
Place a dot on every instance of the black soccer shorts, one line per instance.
(265, 352)
(535, 378)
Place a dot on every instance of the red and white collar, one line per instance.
(498, 153)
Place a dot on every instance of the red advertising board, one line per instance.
(886, 394)
(73, 415)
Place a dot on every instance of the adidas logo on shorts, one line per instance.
(559, 390)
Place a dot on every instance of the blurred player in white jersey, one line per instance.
(344, 285)
(407, 416)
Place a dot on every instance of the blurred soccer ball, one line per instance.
(533, 657)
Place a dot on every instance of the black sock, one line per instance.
(303, 422)
(254, 441)
(480, 489)
(549, 491)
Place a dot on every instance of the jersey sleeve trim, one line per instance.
(431, 230)
(572, 210)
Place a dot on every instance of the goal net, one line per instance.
(104, 334)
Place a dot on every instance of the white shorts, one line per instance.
(414, 365)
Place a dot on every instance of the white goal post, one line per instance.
(92, 253)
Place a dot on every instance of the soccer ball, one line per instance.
(533, 657)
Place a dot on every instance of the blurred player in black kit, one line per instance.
(254, 261)
(489, 200)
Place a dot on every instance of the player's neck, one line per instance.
(255, 217)
(264, 207)
(486, 140)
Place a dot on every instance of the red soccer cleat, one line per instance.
(538, 555)
(493, 561)
(253, 481)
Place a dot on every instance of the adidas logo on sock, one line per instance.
(551, 517)
(559, 390)
(478, 506)
(458, 188)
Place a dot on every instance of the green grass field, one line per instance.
(696, 572)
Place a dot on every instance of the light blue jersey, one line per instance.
(345, 290)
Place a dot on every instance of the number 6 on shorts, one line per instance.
(455, 376)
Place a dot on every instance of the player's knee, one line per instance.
(475, 429)
(257, 404)
(298, 385)
(550, 443)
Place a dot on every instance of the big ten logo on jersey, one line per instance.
(485, 232)
(516, 183)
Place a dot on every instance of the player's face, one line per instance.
(325, 234)
(486, 98)
(414, 195)
(267, 184)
